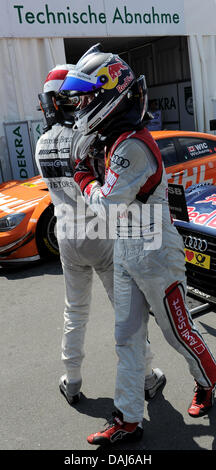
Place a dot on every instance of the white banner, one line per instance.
(49, 18)
(20, 150)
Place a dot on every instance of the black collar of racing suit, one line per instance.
(110, 133)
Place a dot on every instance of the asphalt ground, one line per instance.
(35, 416)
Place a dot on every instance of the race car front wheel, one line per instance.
(46, 234)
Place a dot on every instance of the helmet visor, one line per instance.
(66, 98)
(142, 87)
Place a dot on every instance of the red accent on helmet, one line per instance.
(56, 75)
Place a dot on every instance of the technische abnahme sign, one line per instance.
(74, 18)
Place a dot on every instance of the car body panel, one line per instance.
(196, 163)
(201, 206)
(32, 198)
(199, 236)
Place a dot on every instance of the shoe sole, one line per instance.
(102, 441)
(201, 412)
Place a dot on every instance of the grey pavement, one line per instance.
(35, 416)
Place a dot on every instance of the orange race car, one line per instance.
(189, 157)
(27, 221)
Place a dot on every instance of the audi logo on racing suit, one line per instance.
(195, 243)
(120, 161)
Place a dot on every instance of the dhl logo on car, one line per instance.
(192, 175)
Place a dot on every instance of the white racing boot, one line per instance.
(153, 383)
(70, 390)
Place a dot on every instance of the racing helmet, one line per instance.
(56, 109)
(107, 88)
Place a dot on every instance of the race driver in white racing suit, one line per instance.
(149, 255)
(56, 152)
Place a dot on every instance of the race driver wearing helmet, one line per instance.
(114, 103)
(81, 252)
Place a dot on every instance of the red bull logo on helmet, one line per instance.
(127, 81)
(115, 69)
(112, 72)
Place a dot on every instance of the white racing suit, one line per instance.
(80, 251)
(148, 255)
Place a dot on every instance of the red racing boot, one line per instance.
(117, 430)
(202, 401)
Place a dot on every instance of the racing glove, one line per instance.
(84, 173)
